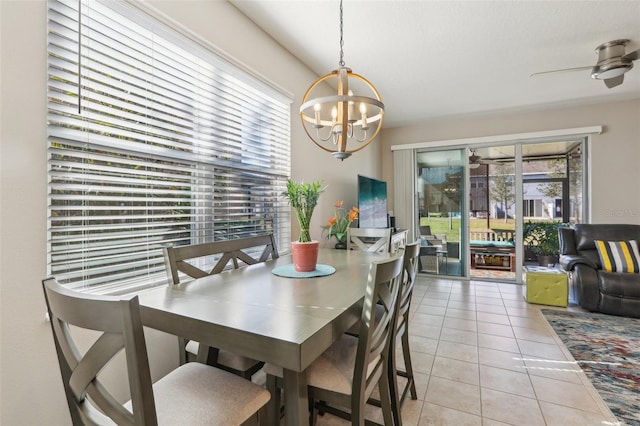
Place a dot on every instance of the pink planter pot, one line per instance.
(305, 255)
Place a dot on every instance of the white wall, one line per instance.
(31, 390)
(615, 154)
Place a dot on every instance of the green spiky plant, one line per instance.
(303, 197)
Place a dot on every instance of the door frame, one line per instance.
(518, 140)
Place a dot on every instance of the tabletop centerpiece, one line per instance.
(338, 225)
(303, 197)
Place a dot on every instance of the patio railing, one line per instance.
(492, 235)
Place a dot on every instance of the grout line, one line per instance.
(527, 322)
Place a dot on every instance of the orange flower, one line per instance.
(338, 225)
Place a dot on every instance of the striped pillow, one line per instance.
(619, 256)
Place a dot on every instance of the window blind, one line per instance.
(153, 140)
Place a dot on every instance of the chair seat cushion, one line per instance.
(197, 394)
(333, 370)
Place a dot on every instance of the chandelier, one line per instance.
(345, 122)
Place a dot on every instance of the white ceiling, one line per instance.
(432, 59)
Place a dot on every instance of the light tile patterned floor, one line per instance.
(484, 356)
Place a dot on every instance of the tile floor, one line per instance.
(484, 356)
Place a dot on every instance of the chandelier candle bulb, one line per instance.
(363, 111)
(350, 110)
(316, 108)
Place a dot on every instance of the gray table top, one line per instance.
(285, 321)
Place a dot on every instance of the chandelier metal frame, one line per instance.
(345, 131)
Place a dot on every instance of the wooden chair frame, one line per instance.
(372, 360)
(230, 251)
(369, 239)
(410, 269)
(119, 321)
(374, 343)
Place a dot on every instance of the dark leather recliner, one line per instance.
(613, 293)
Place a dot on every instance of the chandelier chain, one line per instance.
(341, 63)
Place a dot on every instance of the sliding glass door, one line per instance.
(552, 188)
(492, 213)
(475, 205)
(440, 201)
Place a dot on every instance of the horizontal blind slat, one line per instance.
(173, 146)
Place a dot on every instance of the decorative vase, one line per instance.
(305, 255)
(547, 260)
(341, 245)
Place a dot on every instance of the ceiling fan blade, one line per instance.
(632, 55)
(613, 82)
(563, 70)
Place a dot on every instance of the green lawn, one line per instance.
(451, 227)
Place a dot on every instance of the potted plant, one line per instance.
(303, 197)
(339, 224)
(542, 239)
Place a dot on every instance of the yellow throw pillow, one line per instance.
(619, 256)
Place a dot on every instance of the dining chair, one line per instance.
(348, 372)
(410, 269)
(193, 393)
(398, 241)
(217, 255)
(369, 239)
(201, 260)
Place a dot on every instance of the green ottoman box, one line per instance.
(545, 286)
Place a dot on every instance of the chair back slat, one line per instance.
(98, 355)
(238, 255)
(377, 331)
(189, 269)
(178, 258)
(377, 240)
(222, 263)
(119, 321)
(410, 269)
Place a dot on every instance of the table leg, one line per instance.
(295, 398)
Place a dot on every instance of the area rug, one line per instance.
(608, 350)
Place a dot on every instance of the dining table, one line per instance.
(251, 311)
